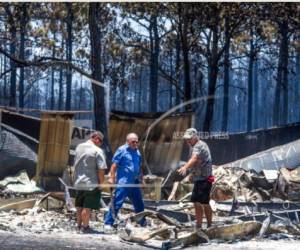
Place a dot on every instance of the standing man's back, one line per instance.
(89, 158)
(88, 174)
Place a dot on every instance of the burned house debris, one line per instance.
(256, 197)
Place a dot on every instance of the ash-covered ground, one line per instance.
(37, 228)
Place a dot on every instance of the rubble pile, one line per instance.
(169, 223)
(247, 205)
(250, 186)
(36, 221)
(288, 184)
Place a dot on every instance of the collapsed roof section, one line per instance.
(287, 155)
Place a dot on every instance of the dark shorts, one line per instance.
(201, 192)
(88, 199)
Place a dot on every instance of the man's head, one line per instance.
(132, 140)
(191, 136)
(97, 138)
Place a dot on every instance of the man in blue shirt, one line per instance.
(126, 169)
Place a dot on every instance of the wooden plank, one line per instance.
(187, 239)
(141, 235)
(234, 231)
(174, 190)
(20, 205)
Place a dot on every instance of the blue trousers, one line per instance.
(134, 195)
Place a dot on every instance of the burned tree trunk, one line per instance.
(177, 68)
(60, 87)
(23, 23)
(282, 78)
(100, 112)
(52, 103)
(154, 46)
(69, 44)
(171, 80)
(226, 77)
(257, 88)
(250, 83)
(212, 79)
(183, 30)
(12, 50)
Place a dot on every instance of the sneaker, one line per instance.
(78, 229)
(143, 223)
(87, 230)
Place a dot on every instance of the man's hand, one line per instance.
(112, 174)
(143, 184)
(183, 170)
(111, 180)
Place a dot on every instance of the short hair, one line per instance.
(130, 135)
(97, 134)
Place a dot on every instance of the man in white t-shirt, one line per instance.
(89, 172)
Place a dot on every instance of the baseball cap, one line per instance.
(190, 133)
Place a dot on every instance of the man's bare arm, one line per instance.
(101, 176)
(183, 170)
(112, 173)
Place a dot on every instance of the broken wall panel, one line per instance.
(53, 153)
(239, 145)
(162, 149)
(272, 159)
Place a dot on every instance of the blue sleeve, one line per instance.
(117, 156)
(140, 158)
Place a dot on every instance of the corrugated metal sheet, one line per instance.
(240, 145)
(160, 153)
(162, 149)
(53, 153)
